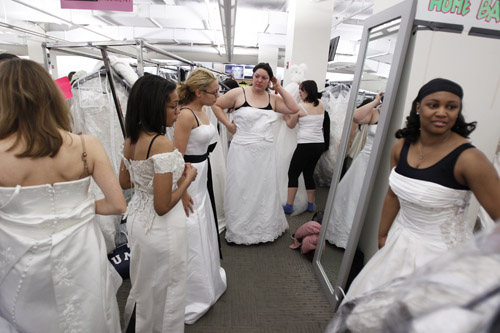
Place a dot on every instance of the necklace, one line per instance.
(420, 154)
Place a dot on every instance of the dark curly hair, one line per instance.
(311, 88)
(411, 131)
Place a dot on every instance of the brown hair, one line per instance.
(199, 79)
(32, 107)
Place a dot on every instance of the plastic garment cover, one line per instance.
(457, 292)
(94, 113)
(336, 105)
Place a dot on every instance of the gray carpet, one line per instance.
(271, 288)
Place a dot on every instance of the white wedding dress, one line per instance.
(431, 220)
(252, 204)
(158, 249)
(206, 280)
(347, 195)
(54, 272)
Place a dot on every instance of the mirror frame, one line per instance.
(405, 11)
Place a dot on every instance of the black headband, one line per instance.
(436, 85)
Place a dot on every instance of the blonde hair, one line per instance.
(199, 79)
(32, 107)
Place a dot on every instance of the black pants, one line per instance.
(304, 160)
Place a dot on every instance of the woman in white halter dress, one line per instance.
(193, 134)
(252, 204)
(54, 272)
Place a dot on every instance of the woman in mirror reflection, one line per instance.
(434, 170)
(310, 143)
(193, 136)
(251, 201)
(349, 188)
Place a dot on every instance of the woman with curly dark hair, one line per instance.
(434, 171)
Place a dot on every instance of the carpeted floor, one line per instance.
(271, 288)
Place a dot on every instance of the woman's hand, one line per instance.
(190, 172)
(275, 84)
(378, 97)
(381, 241)
(231, 128)
(187, 203)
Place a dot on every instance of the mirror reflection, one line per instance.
(365, 119)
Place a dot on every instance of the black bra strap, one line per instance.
(245, 95)
(151, 144)
(194, 114)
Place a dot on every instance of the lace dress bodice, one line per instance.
(141, 176)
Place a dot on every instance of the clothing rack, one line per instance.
(99, 51)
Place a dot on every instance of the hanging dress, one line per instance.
(206, 280)
(158, 249)
(252, 204)
(431, 220)
(347, 195)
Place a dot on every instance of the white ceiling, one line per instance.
(189, 28)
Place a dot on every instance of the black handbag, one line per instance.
(120, 258)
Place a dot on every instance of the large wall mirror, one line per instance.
(381, 57)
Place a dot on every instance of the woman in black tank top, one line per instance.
(256, 96)
(433, 146)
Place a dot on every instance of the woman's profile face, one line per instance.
(439, 111)
(302, 94)
(209, 96)
(172, 108)
(261, 79)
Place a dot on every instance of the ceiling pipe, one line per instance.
(60, 18)
(30, 32)
(227, 10)
(352, 15)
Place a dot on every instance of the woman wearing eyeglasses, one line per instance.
(251, 201)
(193, 134)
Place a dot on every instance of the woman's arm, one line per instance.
(391, 203)
(227, 101)
(124, 175)
(285, 104)
(364, 114)
(163, 197)
(113, 202)
(477, 172)
(182, 131)
(291, 119)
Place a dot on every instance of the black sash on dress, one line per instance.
(210, 187)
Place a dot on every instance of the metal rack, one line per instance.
(100, 50)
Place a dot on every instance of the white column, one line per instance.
(269, 54)
(308, 38)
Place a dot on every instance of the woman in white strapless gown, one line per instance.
(54, 271)
(193, 134)
(347, 194)
(251, 202)
(349, 188)
(434, 170)
(155, 219)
